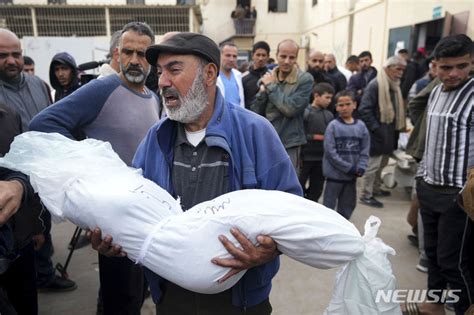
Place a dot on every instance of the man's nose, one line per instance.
(10, 59)
(163, 80)
(134, 59)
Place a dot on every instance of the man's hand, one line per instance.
(104, 246)
(267, 79)
(249, 256)
(11, 193)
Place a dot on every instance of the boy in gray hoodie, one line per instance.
(346, 153)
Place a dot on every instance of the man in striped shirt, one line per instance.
(442, 174)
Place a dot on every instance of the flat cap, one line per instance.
(186, 43)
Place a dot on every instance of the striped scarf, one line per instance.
(387, 113)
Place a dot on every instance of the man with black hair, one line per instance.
(260, 55)
(443, 171)
(351, 67)
(119, 109)
(29, 65)
(411, 74)
(359, 81)
(316, 119)
(230, 79)
(63, 75)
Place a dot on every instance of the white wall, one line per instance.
(83, 49)
(217, 23)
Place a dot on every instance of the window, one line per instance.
(57, 2)
(6, 1)
(277, 5)
(315, 2)
(186, 2)
(135, 1)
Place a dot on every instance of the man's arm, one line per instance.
(291, 105)
(72, 113)
(260, 103)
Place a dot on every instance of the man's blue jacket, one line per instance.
(257, 160)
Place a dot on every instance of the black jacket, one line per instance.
(61, 91)
(357, 82)
(383, 137)
(25, 223)
(10, 126)
(316, 121)
(338, 78)
(249, 83)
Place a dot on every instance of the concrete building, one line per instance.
(341, 27)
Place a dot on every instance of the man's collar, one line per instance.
(290, 78)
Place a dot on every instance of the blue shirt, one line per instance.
(231, 88)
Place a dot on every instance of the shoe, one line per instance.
(58, 284)
(422, 265)
(83, 241)
(413, 240)
(371, 202)
(382, 193)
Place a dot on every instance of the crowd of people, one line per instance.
(201, 128)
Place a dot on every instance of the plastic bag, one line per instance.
(358, 282)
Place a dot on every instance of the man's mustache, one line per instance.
(169, 92)
(135, 68)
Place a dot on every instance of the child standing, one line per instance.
(346, 153)
(316, 119)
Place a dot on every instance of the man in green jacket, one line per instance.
(284, 94)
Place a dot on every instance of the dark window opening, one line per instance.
(277, 5)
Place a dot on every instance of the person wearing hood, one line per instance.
(63, 75)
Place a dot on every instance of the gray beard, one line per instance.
(193, 104)
(138, 79)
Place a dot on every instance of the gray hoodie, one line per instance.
(28, 97)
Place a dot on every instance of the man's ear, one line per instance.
(210, 74)
(115, 54)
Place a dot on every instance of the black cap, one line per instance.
(186, 43)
